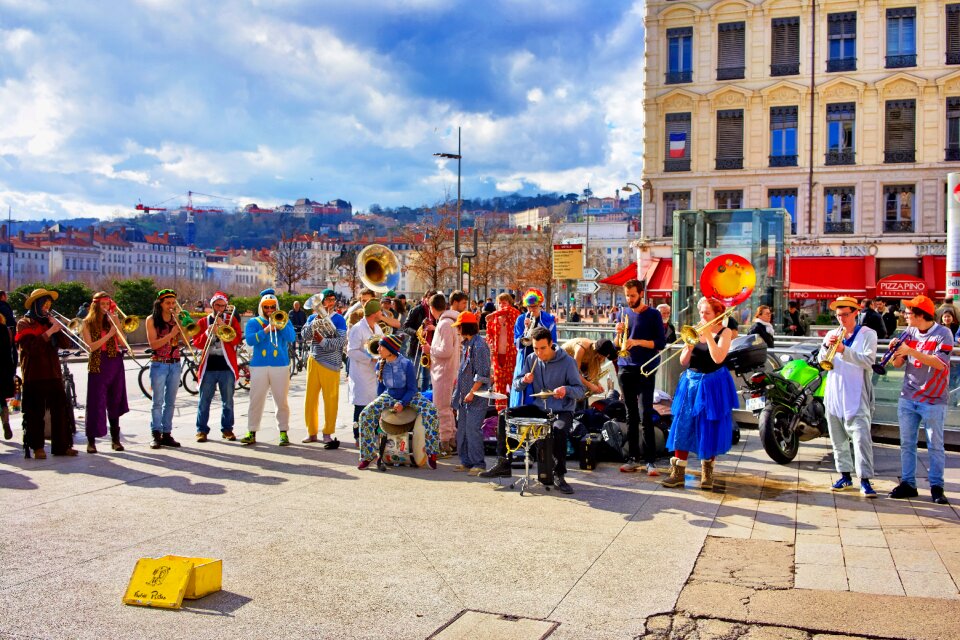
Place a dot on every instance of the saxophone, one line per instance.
(425, 357)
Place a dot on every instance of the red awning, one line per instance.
(617, 279)
(660, 281)
(827, 277)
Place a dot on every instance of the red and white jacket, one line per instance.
(229, 348)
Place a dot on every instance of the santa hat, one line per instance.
(219, 295)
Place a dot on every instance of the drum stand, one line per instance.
(524, 483)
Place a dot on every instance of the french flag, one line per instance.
(678, 144)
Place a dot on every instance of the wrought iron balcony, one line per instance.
(676, 164)
(844, 156)
(952, 154)
(953, 57)
(731, 73)
(729, 163)
(679, 77)
(789, 69)
(898, 226)
(841, 226)
(893, 157)
(897, 62)
(783, 161)
(841, 64)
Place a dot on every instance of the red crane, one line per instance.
(189, 208)
(142, 207)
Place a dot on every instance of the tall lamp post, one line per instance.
(456, 241)
(628, 187)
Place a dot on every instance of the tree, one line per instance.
(433, 262)
(135, 297)
(290, 262)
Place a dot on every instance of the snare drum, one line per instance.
(528, 429)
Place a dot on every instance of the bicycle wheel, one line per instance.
(243, 382)
(143, 378)
(189, 380)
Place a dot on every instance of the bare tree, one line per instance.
(489, 266)
(433, 262)
(346, 267)
(290, 262)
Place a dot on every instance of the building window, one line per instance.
(898, 203)
(731, 63)
(783, 136)
(838, 209)
(953, 33)
(728, 199)
(679, 55)
(729, 139)
(677, 152)
(785, 47)
(785, 199)
(673, 201)
(901, 37)
(900, 131)
(953, 130)
(842, 41)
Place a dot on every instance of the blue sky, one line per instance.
(103, 104)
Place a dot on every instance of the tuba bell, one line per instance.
(379, 268)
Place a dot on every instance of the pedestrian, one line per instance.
(474, 375)
(574, 316)
(534, 317)
(444, 354)
(669, 331)
(889, 318)
(164, 336)
(792, 324)
(763, 326)
(326, 341)
(7, 372)
(848, 398)
(926, 350)
(870, 318)
(219, 369)
(106, 381)
(362, 379)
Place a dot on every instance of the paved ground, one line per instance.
(314, 548)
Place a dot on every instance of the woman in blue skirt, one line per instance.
(704, 401)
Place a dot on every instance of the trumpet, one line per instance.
(826, 363)
(880, 368)
(70, 328)
(425, 357)
(527, 338)
(689, 336)
(624, 352)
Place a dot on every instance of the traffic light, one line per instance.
(573, 297)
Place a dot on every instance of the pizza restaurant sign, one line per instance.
(900, 286)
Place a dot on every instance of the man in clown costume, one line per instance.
(526, 322)
(503, 351)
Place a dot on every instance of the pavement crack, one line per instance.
(429, 561)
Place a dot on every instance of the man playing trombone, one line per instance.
(106, 381)
(218, 336)
(164, 335)
(326, 334)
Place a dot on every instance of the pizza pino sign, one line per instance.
(900, 286)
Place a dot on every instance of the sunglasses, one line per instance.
(267, 307)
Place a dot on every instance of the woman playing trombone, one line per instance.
(106, 383)
(164, 333)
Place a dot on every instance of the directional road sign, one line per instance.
(587, 287)
(589, 273)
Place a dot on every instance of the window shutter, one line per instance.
(730, 138)
(731, 50)
(678, 123)
(783, 118)
(953, 34)
(841, 25)
(841, 111)
(785, 44)
(900, 130)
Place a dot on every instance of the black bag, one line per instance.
(545, 461)
(592, 420)
(612, 435)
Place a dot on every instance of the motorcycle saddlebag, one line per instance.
(747, 353)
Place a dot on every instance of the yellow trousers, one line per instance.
(321, 379)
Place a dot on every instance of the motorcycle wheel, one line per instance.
(777, 434)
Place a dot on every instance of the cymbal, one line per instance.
(491, 395)
(546, 393)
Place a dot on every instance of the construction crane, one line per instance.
(142, 207)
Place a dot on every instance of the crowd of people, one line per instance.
(430, 357)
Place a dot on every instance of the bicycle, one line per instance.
(69, 385)
(297, 351)
(188, 379)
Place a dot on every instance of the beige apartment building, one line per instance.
(844, 112)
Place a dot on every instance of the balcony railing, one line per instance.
(679, 77)
(893, 157)
(676, 164)
(953, 57)
(841, 226)
(841, 64)
(724, 164)
(783, 161)
(952, 155)
(668, 230)
(788, 69)
(897, 62)
(731, 73)
(898, 226)
(844, 156)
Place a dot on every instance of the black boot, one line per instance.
(91, 445)
(155, 443)
(562, 485)
(502, 469)
(115, 438)
(167, 440)
(5, 417)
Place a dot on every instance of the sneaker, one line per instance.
(326, 439)
(936, 494)
(843, 483)
(166, 439)
(562, 486)
(155, 443)
(250, 438)
(904, 490)
(476, 471)
(284, 439)
(461, 467)
(630, 466)
(309, 439)
(866, 489)
(201, 437)
(652, 470)
(432, 461)
(228, 435)
(363, 464)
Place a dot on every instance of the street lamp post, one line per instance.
(628, 187)
(456, 241)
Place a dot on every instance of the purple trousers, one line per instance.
(106, 396)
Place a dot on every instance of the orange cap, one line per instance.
(921, 302)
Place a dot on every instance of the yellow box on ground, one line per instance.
(159, 582)
(206, 577)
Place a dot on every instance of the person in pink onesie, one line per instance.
(444, 365)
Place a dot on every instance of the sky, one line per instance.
(106, 104)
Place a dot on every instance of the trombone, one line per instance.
(70, 329)
(187, 327)
(225, 333)
(690, 336)
(128, 324)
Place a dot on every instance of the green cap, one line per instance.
(371, 308)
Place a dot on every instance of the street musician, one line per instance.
(218, 337)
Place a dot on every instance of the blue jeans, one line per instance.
(165, 380)
(211, 382)
(911, 414)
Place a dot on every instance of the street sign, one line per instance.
(589, 273)
(567, 261)
(587, 287)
